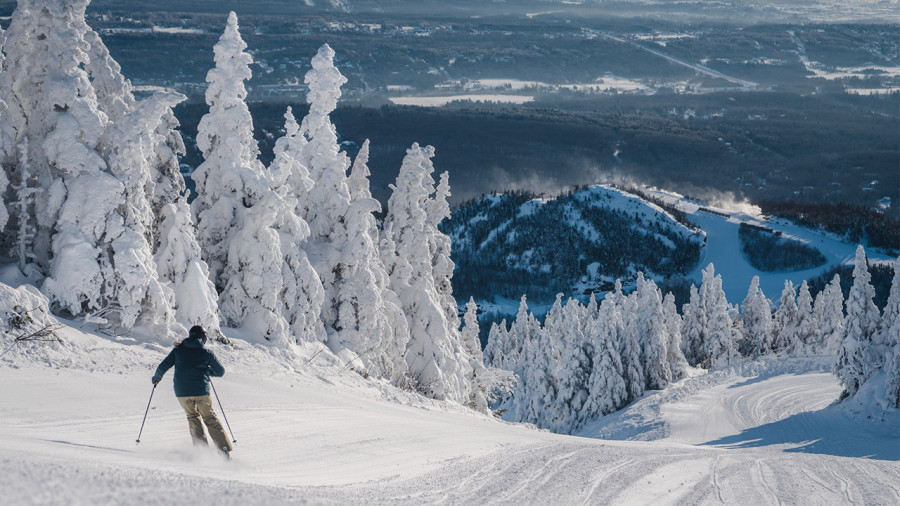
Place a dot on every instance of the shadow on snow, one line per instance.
(826, 431)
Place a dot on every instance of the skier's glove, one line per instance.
(154, 380)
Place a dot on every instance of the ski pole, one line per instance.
(145, 414)
(233, 440)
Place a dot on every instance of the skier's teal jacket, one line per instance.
(194, 364)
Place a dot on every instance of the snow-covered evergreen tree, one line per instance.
(493, 348)
(652, 332)
(756, 316)
(254, 270)
(606, 387)
(853, 363)
(524, 328)
(807, 326)
(829, 312)
(694, 329)
(786, 321)
(722, 338)
(890, 339)
(572, 373)
(302, 294)
(630, 346)
(678, 365)
(361, 314)
(91, 211)
(437, 361)
(438, 209)
(479, 380)
(179, 262)
(231, 178)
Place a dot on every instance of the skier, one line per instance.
(194, 364)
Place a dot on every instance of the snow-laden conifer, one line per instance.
(756, 315)
(360, 318)
(524, 328)
(829, 312)
(296, 174)
(890, 339)
(853, 362)
(786, 321)
(572, 373)
(302, 294)
(179, 262)
(807, 326)
(493, 348)
(693, 329)
(536, 387)
(677, 363)
(329, 197)
(635, 379)
(438, 209)
(437, 361)
(90, 210)
(480, 379)
(721, 335)
(652, 334)
(231, 178)
(606, 387)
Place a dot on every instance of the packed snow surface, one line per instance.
(761, 433)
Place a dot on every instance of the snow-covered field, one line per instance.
(761, 433)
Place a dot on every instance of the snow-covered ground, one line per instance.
(761, 433)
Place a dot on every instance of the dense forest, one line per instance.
(509, 244)
(853, 223)
(769, 252)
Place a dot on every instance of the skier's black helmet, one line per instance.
(198, 332)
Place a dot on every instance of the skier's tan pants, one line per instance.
(198, 407)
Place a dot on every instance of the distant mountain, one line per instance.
(514, 243)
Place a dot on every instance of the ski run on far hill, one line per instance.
(353, 375)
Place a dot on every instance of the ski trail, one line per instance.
(601, 479)
(845, 485)
(715, 479)
(542, 471)
(760, 472)
(822, 483)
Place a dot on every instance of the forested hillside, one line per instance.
(515, 243)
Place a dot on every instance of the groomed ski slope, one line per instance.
(757, 434)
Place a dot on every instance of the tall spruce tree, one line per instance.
(756, 316)
(677, 363)
(829, 312)
(851, 363)
(786, 321)
(438, 364)
(653, 334)
(606, 386)
(807, 325)
(231, 178)
(890, 327)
